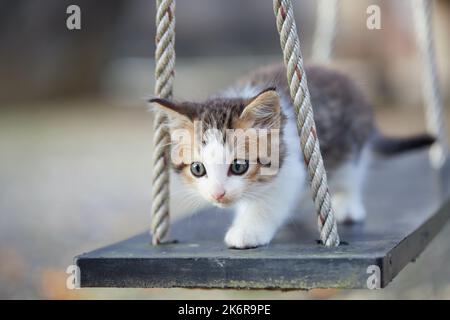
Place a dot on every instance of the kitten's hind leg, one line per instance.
(346, 185)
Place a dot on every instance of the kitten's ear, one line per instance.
(264, 110)
(171, 109)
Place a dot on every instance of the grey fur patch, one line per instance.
(344, 119)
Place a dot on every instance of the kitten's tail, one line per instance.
(394, 145)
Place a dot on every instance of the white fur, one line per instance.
(258, 218)
(266, 207)
(216, 160)
(346, 185)
(261, 208)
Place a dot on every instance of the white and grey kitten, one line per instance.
(263, 202)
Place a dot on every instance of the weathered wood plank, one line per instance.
(406, 210)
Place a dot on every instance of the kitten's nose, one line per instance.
(218, 194)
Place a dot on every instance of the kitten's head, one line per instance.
(226, 148)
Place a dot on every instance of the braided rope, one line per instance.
(325, 34)
(164, 75)
(434, 112)
(305, 120)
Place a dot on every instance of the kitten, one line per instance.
(265, 186)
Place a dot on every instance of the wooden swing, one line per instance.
(407, 198)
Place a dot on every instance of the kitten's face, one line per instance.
(226, 148)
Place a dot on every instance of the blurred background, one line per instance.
(76, 134)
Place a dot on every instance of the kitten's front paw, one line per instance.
(245, 238)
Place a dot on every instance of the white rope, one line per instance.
(309, 142)
(325, 33)
(434, 112)
(164, 75)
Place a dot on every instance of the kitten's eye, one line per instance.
(198, 169)
(239, 167)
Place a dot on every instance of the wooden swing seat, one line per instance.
(407, 206)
